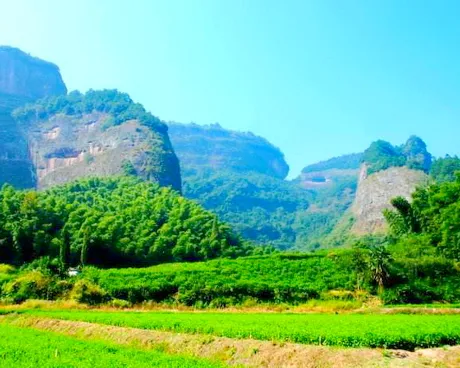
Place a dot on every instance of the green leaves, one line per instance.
(110, 222)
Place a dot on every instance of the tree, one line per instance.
(379, 265)
(64, 250)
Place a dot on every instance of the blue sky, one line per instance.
(316, 78)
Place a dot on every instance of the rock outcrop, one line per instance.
(28, 77)
(23, 79)
(56, 138)
(102, 133)
(375, 192)
(210, 147)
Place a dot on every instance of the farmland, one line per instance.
(21, 348)
(346, 330)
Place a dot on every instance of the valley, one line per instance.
(127, 241)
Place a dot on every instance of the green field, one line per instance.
(347, 330)
(26, 348)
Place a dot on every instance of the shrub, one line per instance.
(30, 285)
(7, 269)
(85, 291)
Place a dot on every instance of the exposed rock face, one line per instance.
(375, 193)
(64, 137)
(65, 148)
(23, 79)
(101, 133)
(214, 148)
(28, 77)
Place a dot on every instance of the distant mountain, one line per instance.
(50, 137)
(25, 77)
(386, 172)
(213, 148)
(239, 176)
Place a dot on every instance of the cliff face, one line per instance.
(22, 79)
(57, 138)
(81, 135)
(28, 77)
(213, 148)
(375, 192)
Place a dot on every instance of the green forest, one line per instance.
(126, 222)
(109, 222)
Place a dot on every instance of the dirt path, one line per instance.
(246, 352)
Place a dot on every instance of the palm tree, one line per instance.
(379, 265)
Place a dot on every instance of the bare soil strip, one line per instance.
(245, 352)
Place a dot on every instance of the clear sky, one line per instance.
(316, 78)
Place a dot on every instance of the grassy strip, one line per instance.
(22, 347)
(350, 330)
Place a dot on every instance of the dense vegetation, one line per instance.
(385, 331)
(351, 161)
(444, 169)
(212, 148)
(382, 155)
(25, 348)
(431, 222)
(240, 177)
(109, 222)
(259, 207)
(118, 105)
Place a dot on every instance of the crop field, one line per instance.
(347, 330)
(21, 348)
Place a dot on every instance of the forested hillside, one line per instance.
(240, 177)
(109, 222)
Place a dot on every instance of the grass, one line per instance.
(25, 348)
(395, 331)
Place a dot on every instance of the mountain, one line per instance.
(23, 79)
(100, 133)
(213, 148)
(387, 172)
(240, 176)
(50, 137)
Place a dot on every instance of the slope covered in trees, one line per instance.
(382, 155)
(240, 177)
(109, 222)
(431, 221)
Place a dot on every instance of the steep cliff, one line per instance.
(28, 77)
(23, 79)
(375, 192)
(210, 147)
(101, 133)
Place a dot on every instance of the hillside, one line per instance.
(240, 177)
(100, 133)
(50, 137)
(387, 172)
(22, 79)
(213, 148)
(375, 193)
(109, 222)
